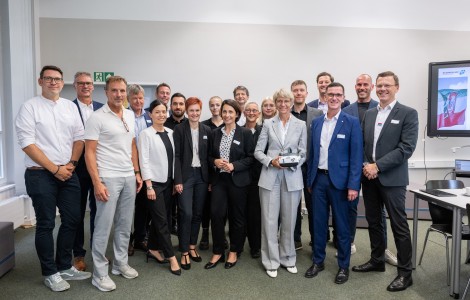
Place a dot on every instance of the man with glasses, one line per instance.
(83, 85)
(50, 132)
(335, 164)
(112, 161)
(301, 111)
(390, 136)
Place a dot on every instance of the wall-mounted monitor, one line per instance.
(448, 103)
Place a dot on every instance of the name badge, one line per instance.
(395, 121)
(149, 121)
(236, 142)
(204, 137)
(341, 136)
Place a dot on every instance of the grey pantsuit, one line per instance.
(277, 205)
(280, 190)
(117, 211)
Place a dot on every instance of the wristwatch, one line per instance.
(73, 162)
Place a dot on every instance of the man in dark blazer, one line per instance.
(335, 164)
(390, 136)
(323, 80)
(301, 111)
(83, 84)
(138, 239)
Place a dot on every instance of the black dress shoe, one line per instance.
(314, 270)
(196, 257)
(255, 253)
(369, 267)
(229, 265)
(211, 265)
(151, 256)
(400, 283)
(141, 246)
(187, 262)
(342, 276)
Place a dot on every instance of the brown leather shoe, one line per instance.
(79, 263)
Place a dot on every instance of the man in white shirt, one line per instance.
(112, 161)
(83, 84)
(50, 132)
(241, 95)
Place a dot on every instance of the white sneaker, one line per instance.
(104, 284)
(353, 250)
(125, 270)
(272, 273)
(56, 283)
(292, 270)
(74, 274)
(390, 258)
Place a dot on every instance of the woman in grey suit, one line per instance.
(280, 187)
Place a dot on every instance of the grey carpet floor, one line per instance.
(247, 280)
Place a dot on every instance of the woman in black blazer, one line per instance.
(191, 178)
(230, 158)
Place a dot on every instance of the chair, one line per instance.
(442, 218)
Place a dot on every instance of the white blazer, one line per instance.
(152, 155)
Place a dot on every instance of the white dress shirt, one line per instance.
(326, 133)
(85, 109)
(382, 116)
(53, 126)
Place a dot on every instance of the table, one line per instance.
(456, 204)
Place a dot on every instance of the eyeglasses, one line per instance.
(385, 86)
(331, 95)
(254, 111)
(125, 124)
(84, 83)
(49, 79)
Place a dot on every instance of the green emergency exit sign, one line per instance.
(102, 76)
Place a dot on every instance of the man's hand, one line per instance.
(139, 182)
(101, 192)
(370, 171)
(179, 188)
(64, 172)
(352, 194)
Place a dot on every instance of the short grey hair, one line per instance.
(81, 73)
(134, 89)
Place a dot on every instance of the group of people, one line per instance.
(159, 170)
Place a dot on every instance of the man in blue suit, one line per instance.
(83, 85)
(334, 172)
(135, 96)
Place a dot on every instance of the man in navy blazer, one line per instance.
(138, 239)
(323, 80)
(83, 85)
(390, 136)
(334, 173)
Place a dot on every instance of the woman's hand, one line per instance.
(275, 163)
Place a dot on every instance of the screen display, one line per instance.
(448, 103)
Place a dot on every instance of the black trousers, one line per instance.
(159, 236)
(228, 198)
(86, 194)
(375, 197)
(141, 217)
(253, 217)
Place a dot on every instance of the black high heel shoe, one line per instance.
(211, 265)
(150, 255)
(229, 265)
(197, 257)
(187, 264)
(175, 272)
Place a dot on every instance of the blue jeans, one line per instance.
(47, 193)
(191, 205)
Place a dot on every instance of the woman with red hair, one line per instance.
(191, 178)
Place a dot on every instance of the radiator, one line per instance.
(18, 210)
